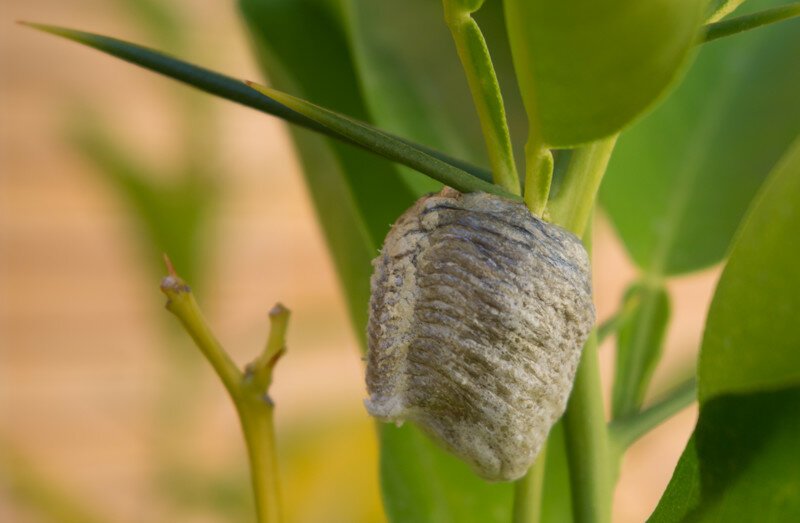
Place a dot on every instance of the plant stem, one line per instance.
(248, 389)
(538, 175)
(482, 80)
(587, 442)
(182, 304)
(726, 8)
(626, 430)
(585, 430)
(255, 414)
(586, 434)
(573, 205)
(739, 24)
(529, 491)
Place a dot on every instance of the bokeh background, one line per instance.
(107, 412)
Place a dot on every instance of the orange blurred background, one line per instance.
(106, 410)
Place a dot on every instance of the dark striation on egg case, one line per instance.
(478, 314)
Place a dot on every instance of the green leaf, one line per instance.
(355, 218)
(435, 486)
(228, 88)
(384, 144)
(415, 87)
(586, 69)
(743, 462)
(752, 339)
(680, 180)
(639, 345)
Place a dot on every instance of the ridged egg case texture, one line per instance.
(478, 314)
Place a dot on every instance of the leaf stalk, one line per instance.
(486, 95)
(572, 207)
(625, 431)
(743, 23)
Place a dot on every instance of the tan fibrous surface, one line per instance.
(478, 314)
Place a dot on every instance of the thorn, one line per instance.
(172, 283)
(170, 267)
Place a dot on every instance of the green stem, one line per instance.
(727, 7)
(529, 492)
(255, 415)
(747, 22)
(538, 175)
(586, 434)
(248, 389)
(586, 437)
(573, 205)
(626, 430)
(486, 95)
(612, 325)
(182, 304)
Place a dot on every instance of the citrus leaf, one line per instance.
(415, 87)
(586, 69)
(743, 461)
(227, 87)
(751, 340)
(421, 483)
(384, 144)
(680, 180)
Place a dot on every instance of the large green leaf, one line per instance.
(356, 203)
(415, 87)
(743, 463)
(586, 69)
(423, 484)
(385, 145)
(680, 180)
(752, 339)
(235, 90)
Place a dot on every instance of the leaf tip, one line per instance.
(51, 29)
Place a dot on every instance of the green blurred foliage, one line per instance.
(639, 346)
(681, 179)
(172, 210)
(743, 461)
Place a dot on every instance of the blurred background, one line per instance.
(107, 412)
